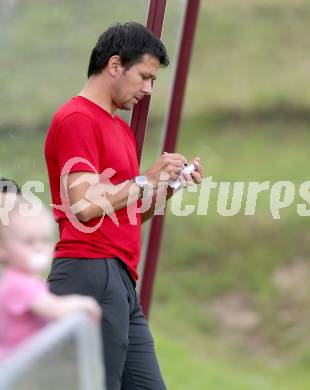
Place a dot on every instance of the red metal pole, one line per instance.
(171, 132)
(140, 112)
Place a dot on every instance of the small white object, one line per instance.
(175, 184)
(39, 261)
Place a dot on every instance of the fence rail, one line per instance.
(66, 354)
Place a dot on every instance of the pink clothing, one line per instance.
(18, 292)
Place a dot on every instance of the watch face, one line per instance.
(141, 181)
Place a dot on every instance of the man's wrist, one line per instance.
(143, 184)
(136, 189)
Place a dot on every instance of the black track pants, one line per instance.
(129, 356)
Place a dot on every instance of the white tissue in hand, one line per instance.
(175, 184)
(39, 261)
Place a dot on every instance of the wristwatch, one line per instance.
(143, 183)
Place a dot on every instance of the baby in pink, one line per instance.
(18, 293)
(26, 305)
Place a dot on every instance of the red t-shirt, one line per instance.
(98, 141)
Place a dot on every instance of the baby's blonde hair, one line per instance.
(11, 199)
(14, 201)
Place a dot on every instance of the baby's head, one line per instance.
(26, 242)
(9, 185)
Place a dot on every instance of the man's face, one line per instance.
(131, 85)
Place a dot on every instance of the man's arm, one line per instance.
(89, 198)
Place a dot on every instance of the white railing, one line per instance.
(64, 355)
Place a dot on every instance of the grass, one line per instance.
(183, 369)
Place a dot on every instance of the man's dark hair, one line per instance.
(9, 185)
(130, 41)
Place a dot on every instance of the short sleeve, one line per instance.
(21, 296)
(77, 144)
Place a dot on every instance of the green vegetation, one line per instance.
(184, 370)
(232, 295)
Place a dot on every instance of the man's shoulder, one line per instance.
(70, 108)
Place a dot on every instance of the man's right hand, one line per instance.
(167, 167)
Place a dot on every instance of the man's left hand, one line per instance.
(195, 177)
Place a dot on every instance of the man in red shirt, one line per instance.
(96, 187)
